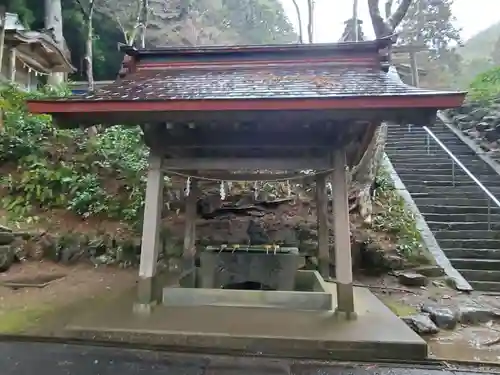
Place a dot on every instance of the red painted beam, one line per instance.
(438, 101)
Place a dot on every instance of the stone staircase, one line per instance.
(457, 215)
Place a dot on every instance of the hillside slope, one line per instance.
(481, 45)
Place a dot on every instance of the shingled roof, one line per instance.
(237, 78)
(257, 82)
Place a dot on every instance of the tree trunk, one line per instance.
(89, 69)
(3, 17)
(144, 21)
(310, 23)
(89, 54)
(53, 21)
(299, 19)
(363, 175)
(355, 19)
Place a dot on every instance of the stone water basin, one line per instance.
(309, 293)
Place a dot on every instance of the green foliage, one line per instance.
(431, 23)
(51, 168)
(486, 86)
(227, 21)
(395, 218)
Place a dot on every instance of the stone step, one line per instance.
(485, 286)
(400, 139)
(462, 226)
(481, 275)
(446, 171)
(444, 190)
(469, 235)
(449, 142)
(457, 182)
(463, 217)
(461, 253)
(467, 243)
(415, 182)
(421, 143)
(480, 165)
(401, 158)
(431, 155)
(419, 134)
(432, 148)
(450, 210)
(454, 184)
(451, 194)
(475, 264)
(446, 201)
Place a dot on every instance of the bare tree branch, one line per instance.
(380, 27)
(299, 18)
(82, 8)
(385, 27)
(395, 19)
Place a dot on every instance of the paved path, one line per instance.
(58, 359)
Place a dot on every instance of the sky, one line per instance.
(472, 16)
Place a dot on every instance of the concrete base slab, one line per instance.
(376, 334)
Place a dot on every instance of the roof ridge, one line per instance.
(376, 45)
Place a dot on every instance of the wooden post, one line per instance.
(189, 248)
(343, 257)
(414, 69)
(322, 219)
(151, 239)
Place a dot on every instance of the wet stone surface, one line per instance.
(58, 359)
(476, 315)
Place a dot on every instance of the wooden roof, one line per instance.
(36, 49)
(318, 77)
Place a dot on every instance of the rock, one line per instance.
(473, 133)
(491, 135)
(443, 317)
(430, 271)
(482, 126)
(257, 234)
(491, 119)
(478, 114)
(20, 249)
(394, 262)
(285, 237)
(6, 238)
(6, 258)
(5, 229)
(474, 315)
(412, 279)
(438, 283)
(421, 324)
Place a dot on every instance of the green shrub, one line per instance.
(486, 86)
(46, 168)
(394, 217)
